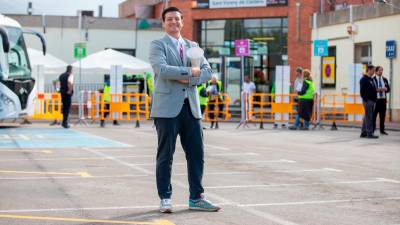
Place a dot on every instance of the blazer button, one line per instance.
(183, 89)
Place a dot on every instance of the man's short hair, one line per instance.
(370, 67)
(377, 68)
(170, 9)
(299, 69)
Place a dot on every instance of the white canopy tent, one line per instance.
(51, 63)
(101, 62)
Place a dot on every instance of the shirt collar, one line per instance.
(176, 41)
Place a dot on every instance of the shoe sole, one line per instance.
(203, 209)
(166, 210)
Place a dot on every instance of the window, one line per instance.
(363, 53)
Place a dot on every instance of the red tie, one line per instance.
(181, 51)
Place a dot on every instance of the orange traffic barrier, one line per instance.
(343, 108)
(264, 107)
(218, 109)
(47, 106)
(129, 106)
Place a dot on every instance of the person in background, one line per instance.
(214, 89)
(306, 102)
(368, 94)
(382, 87)
(66, 89)
(203, 99)
(106, 99)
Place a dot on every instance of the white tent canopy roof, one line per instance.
(101, 62)
(50, 62)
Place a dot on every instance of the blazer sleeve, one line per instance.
(158, 61)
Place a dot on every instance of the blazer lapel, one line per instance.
(173, 49)
(186, 60)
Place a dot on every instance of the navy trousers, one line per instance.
(191, 136)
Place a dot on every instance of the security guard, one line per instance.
(306, 102)
(107, 99)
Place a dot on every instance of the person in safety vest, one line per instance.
(106, 99)
(306, 102)
(214, 89)
(203, 98)
(148, 78)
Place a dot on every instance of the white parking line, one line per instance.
(79, 158)
(235, 154)
(219, 198)
(298, 184)
(5, 136)
(117, 176)
(389, 180)
(310, 170)
(267, 161)
(132, 166)
(217, 147)
(24, 137)
(319, 202)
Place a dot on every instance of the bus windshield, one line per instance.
(17, 58)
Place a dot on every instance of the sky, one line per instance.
(60, 7)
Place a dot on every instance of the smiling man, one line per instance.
(176, 111)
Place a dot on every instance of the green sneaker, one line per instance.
(202, 204)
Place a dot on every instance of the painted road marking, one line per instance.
(261, 214)
(377, 180)
(117, 176)
(268, 161)
(235, 154)
(389, 180)
(81, 174)
(112, 158)
(77, 158)
(156, 222)
(34, 151)
(53, 138)
(217, 147)
(229, 203)
(319, 202)
(310, 170)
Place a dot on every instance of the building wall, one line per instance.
(377, 31)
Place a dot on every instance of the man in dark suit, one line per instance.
(382, 87)
(368, 94)
(66, 89)
(176, 110)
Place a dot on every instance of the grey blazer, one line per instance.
(169, 94)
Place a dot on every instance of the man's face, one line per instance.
(173, 23)
(246, 79)
(371, 72)
(213, 80)
(379, 72)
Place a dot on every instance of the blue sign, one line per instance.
(391, 49)
(320, 47)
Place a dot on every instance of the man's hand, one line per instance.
(196, 71)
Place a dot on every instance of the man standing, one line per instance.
(248, 86)
(66, 89)
(176, 110)
(382, 87)
(368, 94)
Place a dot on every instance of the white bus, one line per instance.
(16, 82)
